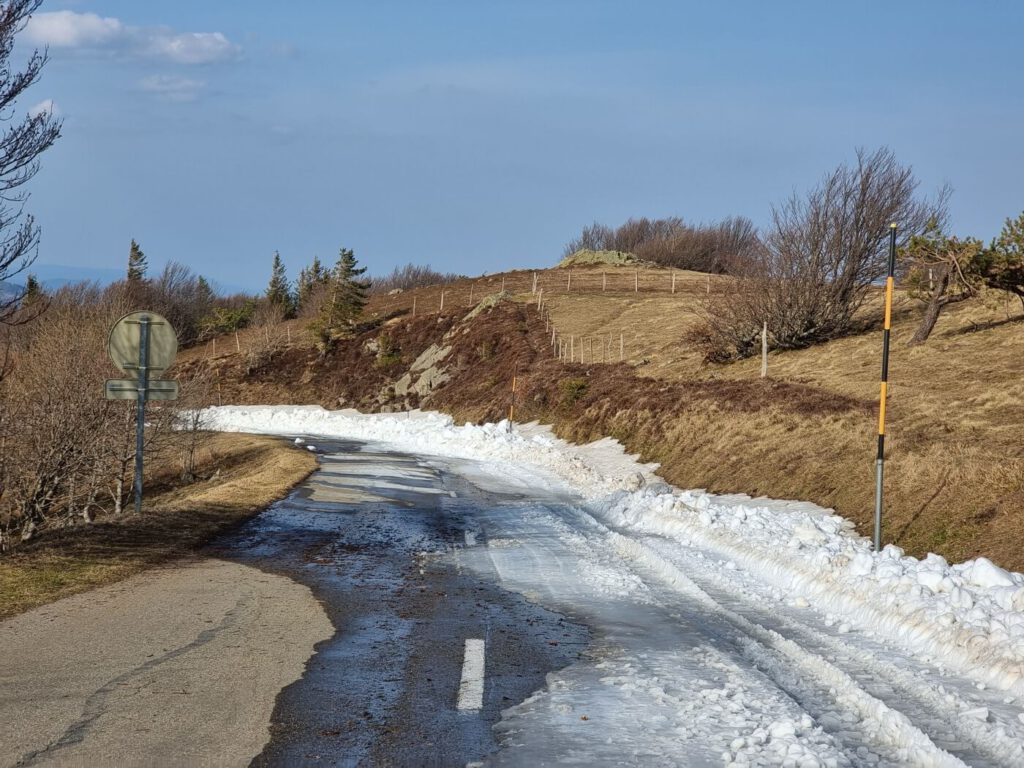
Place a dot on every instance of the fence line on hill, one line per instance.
(553, 282)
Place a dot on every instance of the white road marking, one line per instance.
(471, 689)
(470, 539)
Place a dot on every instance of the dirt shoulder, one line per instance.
(245, 474)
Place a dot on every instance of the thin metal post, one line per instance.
(140, 422)
(883, 394)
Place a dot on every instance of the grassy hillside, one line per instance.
(955, 479)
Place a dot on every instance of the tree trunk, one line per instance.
(931, 313)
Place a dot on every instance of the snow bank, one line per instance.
(968, 616)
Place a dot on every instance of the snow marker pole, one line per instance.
(512, 404)
(883, 394)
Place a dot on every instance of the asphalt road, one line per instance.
(370, 535)
(177, 666)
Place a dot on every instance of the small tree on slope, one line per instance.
(345, 301)
(279, 292)
(1002, 264)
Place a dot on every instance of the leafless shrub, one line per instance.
(65, 451)
(191, 434)
(57, 418)
(177, 293)
(819, 259)
(671, 242)
(411, 276)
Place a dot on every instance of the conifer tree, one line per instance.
(279, 292)
(1003, 263)
(350, 289)
(345, 301)
(33, 290)
(204, 291)
(311, 278)
(136, 263)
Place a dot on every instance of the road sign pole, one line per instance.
(140, 423)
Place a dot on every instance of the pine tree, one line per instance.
(350, 289)
(1002, 265)
(204, 296)
(136, 263)
(279, 292)
(310, 278)
(345, 301)
(204, 291)
(33, 290)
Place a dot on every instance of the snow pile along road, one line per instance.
(967, 617)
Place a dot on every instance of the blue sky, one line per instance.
(480, 136)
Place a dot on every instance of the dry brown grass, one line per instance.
(253, 472)
(955, 475)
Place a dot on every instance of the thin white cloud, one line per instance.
(45, 107)
(87, 31)
(190, 47)
(172, 88)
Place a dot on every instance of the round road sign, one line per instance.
(123, 343)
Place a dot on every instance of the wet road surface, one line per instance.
(372, 534)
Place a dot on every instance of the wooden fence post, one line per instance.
(414, 306)
(572, 348)
(604, 281)
(568, 282)
(673, 282)
(764, 350)
(621, 349)
(502, 283)
(636, 281)
(471, 294)
(534, 282)
(238, 344)
(442, 302)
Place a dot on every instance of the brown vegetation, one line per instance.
(244, 473)
(672, 243)
(818, 261)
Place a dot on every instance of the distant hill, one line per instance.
(57, 275)
(8, 288)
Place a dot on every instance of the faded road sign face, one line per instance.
(123, 344)
(128, 389)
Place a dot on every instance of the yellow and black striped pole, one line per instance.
(880, 461)
(512, 401)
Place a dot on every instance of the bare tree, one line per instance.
(820, 258)
(21, 142)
